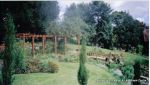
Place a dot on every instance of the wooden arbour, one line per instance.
(44, 37)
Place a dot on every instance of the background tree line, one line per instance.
(29, 16)
(96, 20)
(107, 28)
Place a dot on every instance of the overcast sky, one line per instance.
(139, 9)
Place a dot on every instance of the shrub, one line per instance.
(35, 66)
(19, 60)
(61, 46)
(49, 47)
(72, 40)
(128, 71)
(1, 80)
(1, 55)
(43, 67)
(139, 49)
(113, 65)
(32, 66)
(137, 72)
(70, 58)
(53, 67)
(38, 49)
(130, 59)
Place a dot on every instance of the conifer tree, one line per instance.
(82, 72)
(9, 53)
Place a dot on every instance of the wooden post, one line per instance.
(32, 45)
(78, 41)
(24, 37)
(43, 40)
(55, 44)
(65, 42)
(24, 40)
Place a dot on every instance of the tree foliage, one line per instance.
(74, 26)
(48, 12)
(31, 16)
(53, 27)
(127, 29)
(106, 28)
(96, 17)
(96, 20)
(74, 21)
(101, 18)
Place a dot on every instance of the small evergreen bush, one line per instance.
(128, 71)
(52, 67)
(82, 72)
(9, 52)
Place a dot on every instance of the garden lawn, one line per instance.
(67, 75)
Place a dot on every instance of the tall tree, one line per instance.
(9, 55)
(75, 26)
(31, 16)
(100, 13)
(126, 29)
(73, 23)
(97, 16)
(48, 12)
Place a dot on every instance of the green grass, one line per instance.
(67, 75)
